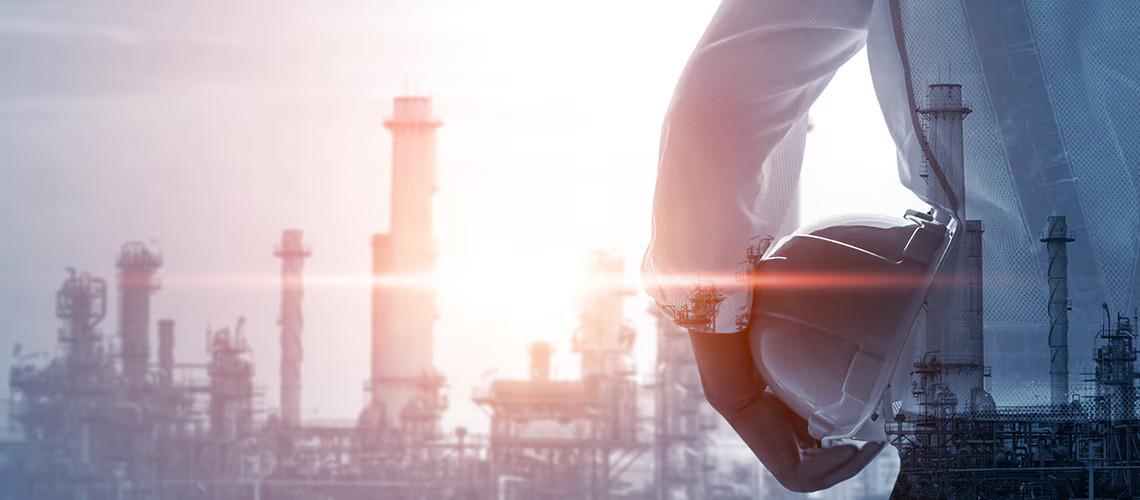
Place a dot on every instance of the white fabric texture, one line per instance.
(732, 144)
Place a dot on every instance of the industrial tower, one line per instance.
(605, 342)
(954, 302)
(1057, 238)
(166, 352)
(81, 303)
(403, 293)
(231, 384)
(293, 254)
(683, 422)
(137, 264)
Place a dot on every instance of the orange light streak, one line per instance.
(615, 281)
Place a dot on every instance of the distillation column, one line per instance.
(231, 384)
(137, 264)
(403, 294)
(540, 361)
(293, 253)
(975, 347)
(81, 303)
(954, 303)
(683, 422)
(1056, 238)
(605, 343)
(943, 114)
(166, 352)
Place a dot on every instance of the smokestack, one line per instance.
(972, 246)
(403, 314)
(166, 352)
(1056, 238)
(944, 113)
(293, 253)
(975, 349)
(137, 264)
(540, 361)
(953, 304)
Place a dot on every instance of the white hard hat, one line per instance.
(834, 306)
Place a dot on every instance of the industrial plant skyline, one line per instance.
(105, 415)
(603, 399)
(391, 249)
(533, 175)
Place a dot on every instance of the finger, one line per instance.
(799, 428)
(856, 464)
(811, 474)
(800, 432)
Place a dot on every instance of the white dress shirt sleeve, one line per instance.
(731, 148)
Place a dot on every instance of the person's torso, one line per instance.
(1054, 129)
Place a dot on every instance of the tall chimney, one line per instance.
(137, 264)
(975, 345)
(293, 253)
(953, 304)
(403, 294)
(944, 113)
(166, 352)
(540, 361)
(1056, 237)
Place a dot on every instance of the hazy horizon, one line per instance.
(212, 129)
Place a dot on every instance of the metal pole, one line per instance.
(1090, 482)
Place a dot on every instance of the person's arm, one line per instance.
(731, 148)
(732, 141)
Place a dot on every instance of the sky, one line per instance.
(210, 126)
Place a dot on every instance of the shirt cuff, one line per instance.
(722, 305)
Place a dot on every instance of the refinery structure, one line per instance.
(955, 439)
(116, 416)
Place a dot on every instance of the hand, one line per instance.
(826, 467)
(777, 436)
(795, 458)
